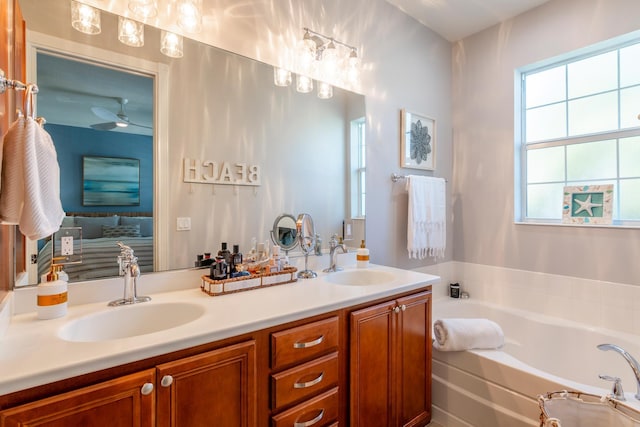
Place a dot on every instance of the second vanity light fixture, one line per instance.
(86, 19)
(323, 56)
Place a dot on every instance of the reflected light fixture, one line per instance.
(325, 90)
(143, 9)
(171, 44)
(281, 77)
(85, 18)
(190, 15)
(304, 84)
(130, 32)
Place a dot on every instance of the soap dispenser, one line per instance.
(52, 294)
(362, 256)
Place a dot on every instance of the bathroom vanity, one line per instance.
(319, 352)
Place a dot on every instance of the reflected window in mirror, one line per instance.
(358, 167)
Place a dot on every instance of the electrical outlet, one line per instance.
(66, 245)
(183, 224)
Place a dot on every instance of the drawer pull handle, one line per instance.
(309, 344)
(396, 309)
(309, 383)
(166, 381)
(146, 389)
(310, 422)
(403, 307)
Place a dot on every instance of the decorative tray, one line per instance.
(246, 283)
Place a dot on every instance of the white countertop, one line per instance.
(32, 354)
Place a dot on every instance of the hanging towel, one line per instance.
(30, 183)
(426, 222)
(466, 334)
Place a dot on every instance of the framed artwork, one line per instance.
(417, 141)
(587, 204)
(110, 181)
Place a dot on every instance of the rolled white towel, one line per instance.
(467, 334)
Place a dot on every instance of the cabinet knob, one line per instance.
(403, 307)
(310, 422)
(166, 381)
(396, 309)
(146, 389)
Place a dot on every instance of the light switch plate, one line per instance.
(183, 223)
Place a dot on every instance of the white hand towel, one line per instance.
(467, 334)
(30, 184)
(426, 221)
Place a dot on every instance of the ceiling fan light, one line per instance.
(122, 124)
(85, 18)
(130, 32)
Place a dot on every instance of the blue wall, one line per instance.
(72, 143)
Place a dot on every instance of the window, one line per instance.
(579, 124)
(358, 168)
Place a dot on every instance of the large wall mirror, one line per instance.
(207, 111)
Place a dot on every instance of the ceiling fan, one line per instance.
(114, 120)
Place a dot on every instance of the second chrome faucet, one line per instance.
(333, 248)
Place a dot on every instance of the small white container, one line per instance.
(52, 296)
(362, 256)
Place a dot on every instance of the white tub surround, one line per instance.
(32, 354)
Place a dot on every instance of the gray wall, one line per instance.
(483, 125)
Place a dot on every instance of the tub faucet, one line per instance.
(333, 246)
(129, 269)
(630, 360)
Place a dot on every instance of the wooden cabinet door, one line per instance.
(216, 388)
(414, 368)
(116, 403)
(373, 353)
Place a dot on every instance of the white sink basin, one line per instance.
(361, 277)
(130, 321)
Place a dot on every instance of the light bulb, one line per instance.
(281, 77)
(171, 44)
(130, 32)
(325, 90)
(330, 61)
(304, 84)
(190, 15)
(143, 9)
(85, 18)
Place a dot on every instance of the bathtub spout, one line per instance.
(635, 366)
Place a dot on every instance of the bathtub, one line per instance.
(541, 354)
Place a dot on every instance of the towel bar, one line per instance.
(395, 177)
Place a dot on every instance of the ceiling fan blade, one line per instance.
(105, 114)
(104, 126)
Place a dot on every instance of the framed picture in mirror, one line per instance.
(110, 181)
(417, 141)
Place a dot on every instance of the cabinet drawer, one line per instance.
(317, 412)
(302, 342)
(302, 381)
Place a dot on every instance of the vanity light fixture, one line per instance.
(281, 77)
(332, 59)
(304, 84)
(143, 9)
(85, 18)
(190, 15)
(171, 44)
(130, 32)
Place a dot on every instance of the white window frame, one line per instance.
(521, 148)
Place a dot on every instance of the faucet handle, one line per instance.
(334, 241)
(616, 392)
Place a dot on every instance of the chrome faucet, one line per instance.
(128, 267)
(333, 246)
(630, 360)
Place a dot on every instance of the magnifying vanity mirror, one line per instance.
(218, 108)
(284, 233)
(307, 238)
